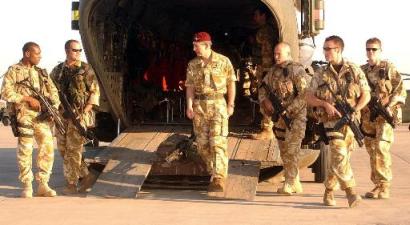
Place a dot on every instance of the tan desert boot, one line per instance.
(70, 189)
(45, 191)
(352, 198)
(373, 193)
(217, 185)
(329, 198)
(265, 134)
(27, 190)
(384, 192)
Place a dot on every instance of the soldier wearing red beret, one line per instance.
(210, 76)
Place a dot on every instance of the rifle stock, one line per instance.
(346, 110)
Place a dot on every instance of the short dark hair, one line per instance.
(68, 43)
(374, 40)
(336, 39)
(29, 45)
(263, 9)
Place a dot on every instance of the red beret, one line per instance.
(202, 36)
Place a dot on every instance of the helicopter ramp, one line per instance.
(130, 157)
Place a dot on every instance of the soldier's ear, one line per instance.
(27, 54)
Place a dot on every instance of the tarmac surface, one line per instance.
(157, 207)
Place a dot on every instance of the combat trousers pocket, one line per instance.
(224, 127)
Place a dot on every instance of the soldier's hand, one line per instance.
(190, 112)
(331, 110)
(33, 103)
(88, 108)
(267, 107)
(230, 110)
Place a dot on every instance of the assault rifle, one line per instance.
(69, 113)
(280, 111)
(346, 110)
(47, 109)
(376, 109)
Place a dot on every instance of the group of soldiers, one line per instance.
(37, 102)
(337, 93)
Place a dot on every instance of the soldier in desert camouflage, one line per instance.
(347, 81)
(77, 81)
(386, 87)
(288, 81)
(26, 108)
(209, 77)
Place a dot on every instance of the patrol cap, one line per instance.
(202, 36)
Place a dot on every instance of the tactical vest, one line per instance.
(345, 85)
(73, 83)
(379, 80)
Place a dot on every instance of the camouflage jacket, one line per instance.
(210, 78)
(348, 83)
(385, 81)
(80, 85)
(13, 92)
(289, 83)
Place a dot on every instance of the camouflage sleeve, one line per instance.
(399, 93)
(300, 80)
(363, 84)
(314, 83)
(230, 72)
(8, 90)
(92, 81)
(268, 81)
(189, 76)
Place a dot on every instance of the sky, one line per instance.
(48, 22)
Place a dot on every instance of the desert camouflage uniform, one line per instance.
(342, 142)
(265, 39)
(210, 110)
(29, 127)
(291, 90)
(80, 86)
(385, 81)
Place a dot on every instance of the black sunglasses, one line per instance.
(371, 49)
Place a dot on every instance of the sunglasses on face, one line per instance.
(76, 50)
(328, 48)
(371, 49)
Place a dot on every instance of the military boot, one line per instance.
(373, 193)
(265, 134)
(288, 189)
(217, 185)
(87, 182)
(384, 192)
(44, 190)
(352, 198)
(27, 190)
(70, 189)
(329, 198)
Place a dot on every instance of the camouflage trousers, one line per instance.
(71, 148)
(211, 130)
(379, 138)
(41, 133)
(339, 171)
(289, 145)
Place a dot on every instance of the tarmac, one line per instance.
(156, 206)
